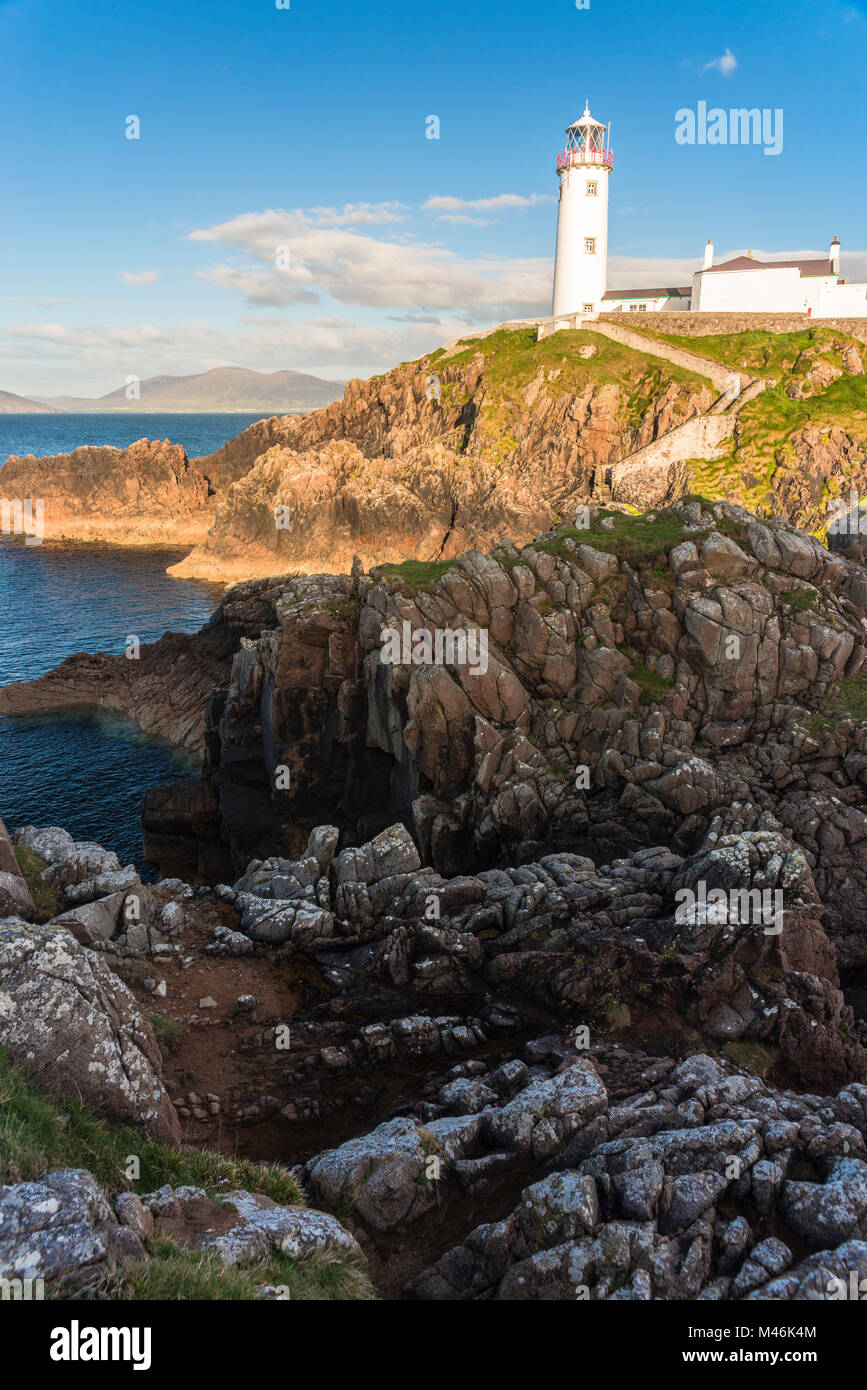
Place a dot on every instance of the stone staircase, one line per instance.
(653, 475)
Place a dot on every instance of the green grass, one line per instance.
(618, 1015)
(761, 353)
(764, 468)
(853, 695)
(178, 1275)
(847, 701)
(39, 1133)
(653, 687)
(35, 1138)
(430, 1145)
(631, 538)
(513, 359)
(168, 1032)
(512, 355)
(414, 576)
(343, 607)
(752, 1056)
(850, 699)
(48, 900)
(802, 600)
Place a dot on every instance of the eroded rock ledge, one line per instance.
(563, 1131)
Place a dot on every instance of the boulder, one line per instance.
(381, 1175)
(71, 1024)
(59, 1227)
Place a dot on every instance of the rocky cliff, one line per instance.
(495, 436)
(501, 436)
(691, 679)
(147, 494)
(565, 909)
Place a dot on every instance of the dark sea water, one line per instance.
(88, 774)
(59, 434)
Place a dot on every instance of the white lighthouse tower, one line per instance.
(581, 265)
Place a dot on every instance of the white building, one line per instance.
(581, 264)
(740, 285)
(745, 284)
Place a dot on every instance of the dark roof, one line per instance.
(750, 263)
(655, 293)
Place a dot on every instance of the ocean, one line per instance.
(88, 773)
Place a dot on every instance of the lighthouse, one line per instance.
(580, 268)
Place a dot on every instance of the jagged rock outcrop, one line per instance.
(727, 943)
(631, 687)
(62, 1229)
(640, 676)
(683, 1190)
(147, 494)
(657, 1177)
(438, 456)
(240, 1227)
(71, 1024)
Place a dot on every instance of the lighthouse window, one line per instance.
(587, 309)
(592, 190)
(590, 245)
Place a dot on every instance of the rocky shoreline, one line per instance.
(600, 1169)
(546, 980)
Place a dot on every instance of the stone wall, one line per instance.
(714, 372)
(700, 325)
(655, 475)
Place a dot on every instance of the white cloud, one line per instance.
(297, 258)
(726, 64)
(139, 277)
(111, 336)
(358, 214)
(52, 359)
(450, 209)
(637, 272)
(415, 297)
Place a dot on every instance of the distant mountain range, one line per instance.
(221, 389)
(19, 405)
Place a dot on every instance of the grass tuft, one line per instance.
(414, 576)
(48, 900)
(752, 1056)
(178, 1275)
(40, 1132)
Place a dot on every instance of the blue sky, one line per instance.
(306, 128)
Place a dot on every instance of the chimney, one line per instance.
(834, 256)
(708, 255)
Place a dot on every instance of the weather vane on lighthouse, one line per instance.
(580, 267)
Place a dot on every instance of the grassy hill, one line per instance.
(803, 441)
